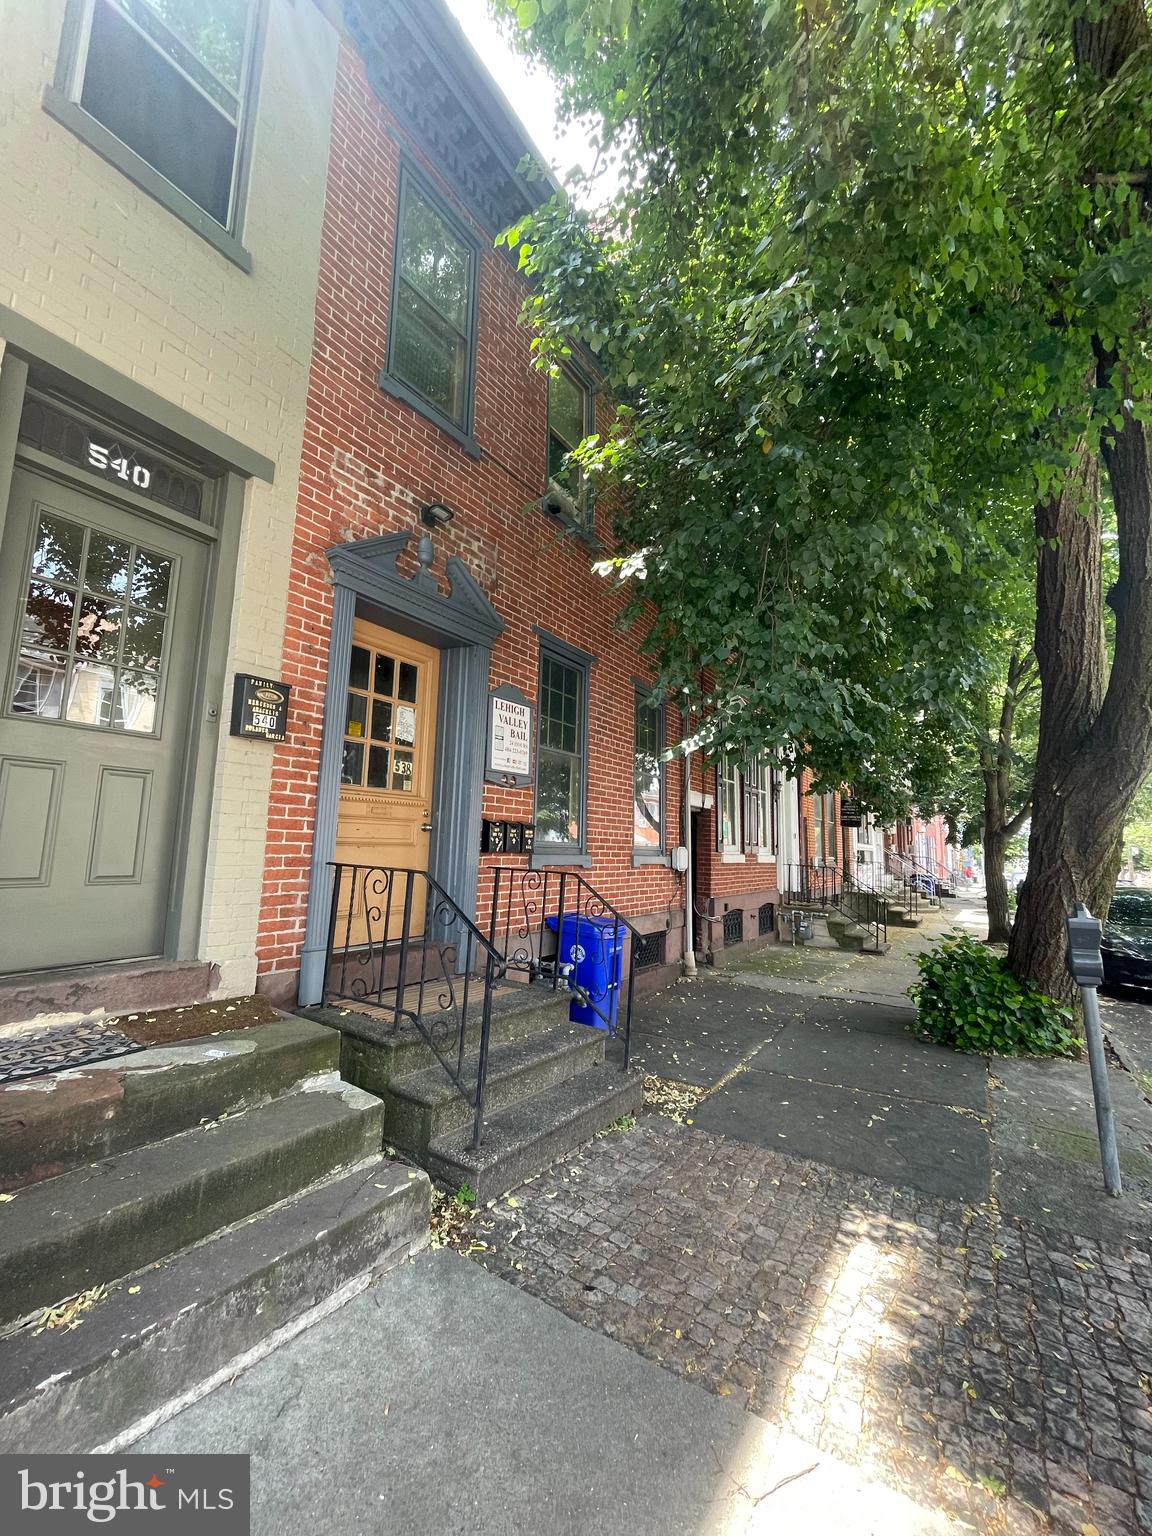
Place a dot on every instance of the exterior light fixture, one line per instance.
(436, 514)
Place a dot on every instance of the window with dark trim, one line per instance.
(730, 806)
(824, 825)
(561, 754)
(760, 799)
(169, 80)
(648, 770)
(431, 343)
(570, 420)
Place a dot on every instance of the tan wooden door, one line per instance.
(385, 816)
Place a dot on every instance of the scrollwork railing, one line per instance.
(561, 932)
(399, 945)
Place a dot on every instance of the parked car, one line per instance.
(1126, 942)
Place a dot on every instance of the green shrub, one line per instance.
(967, 998)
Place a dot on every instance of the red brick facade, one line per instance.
(370, 462)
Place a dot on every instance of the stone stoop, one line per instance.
(551, 1086)
(213, 1194)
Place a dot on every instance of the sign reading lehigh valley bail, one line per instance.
(509, 757)
(259, 708)
(850, 814)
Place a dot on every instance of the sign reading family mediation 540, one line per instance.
(509, 757)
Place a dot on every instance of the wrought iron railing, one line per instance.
(556, 930)
(810, 885)
(400, 945)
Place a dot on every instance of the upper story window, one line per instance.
(570, 420)
(432, 335)
(168, 79)
(648, 776)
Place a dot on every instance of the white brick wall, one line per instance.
(92, 258)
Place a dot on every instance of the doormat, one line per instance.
(52, 1050)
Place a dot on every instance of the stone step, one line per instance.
(373, 1053)
(102, 991)
(426, 1106)
(523, 1139)
(53, 1123)
(207, 1311)
(92, 1225)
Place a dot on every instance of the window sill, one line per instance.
(130, 164)
(560, 507)
(765, 856)
(565, 858)
(397, 388)
(646, 856)
(731, 856)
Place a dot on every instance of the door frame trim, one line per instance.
(464, 625)
(185, 901)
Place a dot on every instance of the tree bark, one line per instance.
(995, 885)
(1095, 746)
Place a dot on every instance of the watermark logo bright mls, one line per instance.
(61, 1495)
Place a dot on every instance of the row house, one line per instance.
(271, 441)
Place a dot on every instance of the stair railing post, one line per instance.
(628, 1007)
(482, 1067)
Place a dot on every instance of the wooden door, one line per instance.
(385, 818)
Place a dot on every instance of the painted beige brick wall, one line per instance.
(90, 257)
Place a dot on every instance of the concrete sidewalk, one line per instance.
(444, 1400)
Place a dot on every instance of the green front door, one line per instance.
(100, 613)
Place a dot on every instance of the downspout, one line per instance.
(689, 964)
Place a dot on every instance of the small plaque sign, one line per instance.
(851, 814)
(259, 708)
(510, 726)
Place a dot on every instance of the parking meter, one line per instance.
(1082, 957)
(1086, 967)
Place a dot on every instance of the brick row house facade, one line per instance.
(269, 418)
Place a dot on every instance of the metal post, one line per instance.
(1086, 967)
(1101, 1091)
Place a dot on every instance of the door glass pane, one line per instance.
(352, 771)
(106, 569)
(406, 725)
(104, 636)
(377, 767)
(408, 676)
(381, 720)
(138, 692)
(98, 632)
(39, 688)
(48, 615)
(357, 715)
(59, 548)
(143, 639)
(151, 579)
(90, 692)
(385, 673)
(358, 668)
(402, 771)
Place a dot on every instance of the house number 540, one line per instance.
(132, 474)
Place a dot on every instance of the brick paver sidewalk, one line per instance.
(994, 1369)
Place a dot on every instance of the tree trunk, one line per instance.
(1095, 747)
(996, 886)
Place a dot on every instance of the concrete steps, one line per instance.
(426, 1106)
(548, 1088)
(172, 1331)
(60, 1121)
(525, 1137)
(95, 1224)
(267, 1198)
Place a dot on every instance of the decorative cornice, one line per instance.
(422, 67)
(462, 616)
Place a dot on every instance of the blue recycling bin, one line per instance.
(594, 947)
